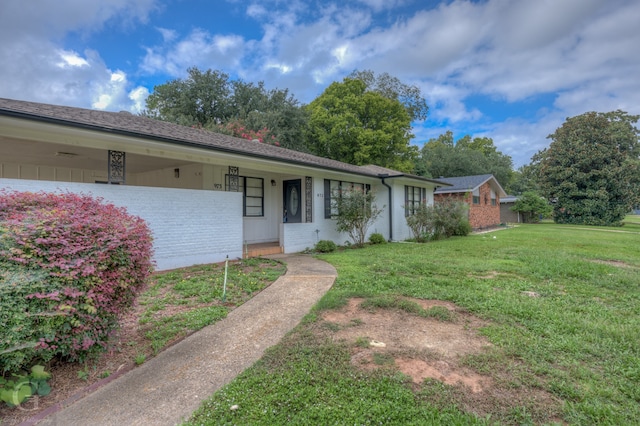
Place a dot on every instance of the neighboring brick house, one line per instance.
(481, 192)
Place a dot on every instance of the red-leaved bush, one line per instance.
(69, 266)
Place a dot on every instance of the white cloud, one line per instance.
(138, 96)
(54, 19)
(41, 69)
(71, 59)
(200, 49)
(580, 53)
(167, 35)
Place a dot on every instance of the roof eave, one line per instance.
(181, 142)
(421, 178)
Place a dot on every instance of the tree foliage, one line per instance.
(524, 179)
(211, 100)
(442, 157)
(391, 87)
(199, 99)
(351, 124)
(531, 206)
(591, 169)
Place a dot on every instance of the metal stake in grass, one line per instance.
(224, 286)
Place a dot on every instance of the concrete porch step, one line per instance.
(262, 249)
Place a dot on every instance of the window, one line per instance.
(338, 187)
(476, 196)
(252, 195)
(493, 198)
(413, 198)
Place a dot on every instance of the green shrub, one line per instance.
(450, 217)
(69, 266)
(441, 220)
(462, 229)
(325, 246)
(421, 222)
(377, 238)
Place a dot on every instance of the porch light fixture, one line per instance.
(273, 182)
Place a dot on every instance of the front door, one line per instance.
(292, 211)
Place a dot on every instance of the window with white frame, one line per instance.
(252, 195)
(493, 198)
(414, 197)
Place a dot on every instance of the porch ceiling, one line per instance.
(22, 151)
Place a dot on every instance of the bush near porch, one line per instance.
(69, 265)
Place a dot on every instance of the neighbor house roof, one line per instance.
(127, 124)
(470, 183)
(508, 199)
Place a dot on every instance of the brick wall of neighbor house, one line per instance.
(485, 214)
(189, 227)
(481, 215)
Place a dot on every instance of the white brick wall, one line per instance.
(189, 226)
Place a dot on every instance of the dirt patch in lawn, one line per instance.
(616, 263)
(433, 353)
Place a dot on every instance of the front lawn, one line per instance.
(554, 310)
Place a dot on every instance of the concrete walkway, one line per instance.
(168, 388)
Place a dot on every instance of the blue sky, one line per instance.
(512, 70)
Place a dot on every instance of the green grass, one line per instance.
(184, 300)
(578, 342)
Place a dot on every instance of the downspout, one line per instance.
(390, 206)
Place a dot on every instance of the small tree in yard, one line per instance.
(356, 212)
(532, 206)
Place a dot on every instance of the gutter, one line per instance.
(382, 177)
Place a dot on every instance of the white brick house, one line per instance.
(205, 195)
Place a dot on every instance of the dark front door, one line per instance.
(292, 212)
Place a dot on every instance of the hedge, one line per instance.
(70, 264)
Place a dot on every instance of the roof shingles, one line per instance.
(125, 123)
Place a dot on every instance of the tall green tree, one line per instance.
(442, 157)
(524, 179)
(211, 100)
(349, 123)
(200, 98)
(591, 169)
(391, 87)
